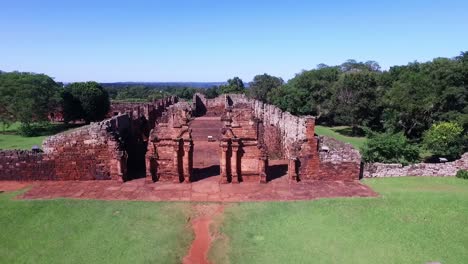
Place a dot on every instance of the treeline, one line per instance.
(417, 106)
(30, 98)
(143, 93)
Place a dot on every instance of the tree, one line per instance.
(445, 140)
(85, 100)
(212, 92)
(389, 148)
(308, 93)
(356, 100)
(234, 85)
(27, 97)
(262, 85)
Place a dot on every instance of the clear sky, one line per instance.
(215, 40)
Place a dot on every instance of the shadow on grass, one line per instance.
(38, 129)
(350, 132)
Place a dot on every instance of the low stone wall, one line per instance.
(377, 170)
(21, 165)
(91, 152)
(337, 161)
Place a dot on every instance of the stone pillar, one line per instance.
(234, 158)
(292, 171)
(187, 163)
(223, 162)
(176, 158)
(263, 164)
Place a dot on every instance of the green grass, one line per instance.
(12, 141)
(339, 133)
(9, 138)
(416, 220)
(81, 231)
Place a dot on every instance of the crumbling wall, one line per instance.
(208, 107)
(20, 165)
(282, 130)
(339, 161)
(378, 170)
(92, 152)
(293, 137)
(170, 148)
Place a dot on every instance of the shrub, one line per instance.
(462, 174)
(444, 140)
(27, 130)
(389, 148)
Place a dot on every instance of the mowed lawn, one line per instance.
(11, 141)
(416, 220)
(82, 231)
(333, 132)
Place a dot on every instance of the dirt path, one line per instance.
(205, 213)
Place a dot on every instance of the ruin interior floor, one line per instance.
(208, 189)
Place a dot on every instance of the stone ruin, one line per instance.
(169, 141)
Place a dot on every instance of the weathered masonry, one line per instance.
(231, 136)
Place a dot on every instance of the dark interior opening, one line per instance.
(136, 146)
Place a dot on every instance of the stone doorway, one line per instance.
(206, 132)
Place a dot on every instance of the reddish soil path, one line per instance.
(8, 186)
(198, 253)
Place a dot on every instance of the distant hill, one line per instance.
(164, 84)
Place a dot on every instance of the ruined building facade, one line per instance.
(169, 141)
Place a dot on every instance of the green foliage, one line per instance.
(27, 97)
(356, 99)
(389, 148)
(212, 92)
(445, 140)
(406, 99)
(462, 174)
(27, 130)
(308, 93)
(262, 85)
(421, 94)
(234, 85)
(85, 100)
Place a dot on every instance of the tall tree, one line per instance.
(27, 97)
(356, 99)
(85, 100)
(262, 85)
(234, 85)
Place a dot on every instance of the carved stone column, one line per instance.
(223, 162)
(176, 159)
(234, 158)
(292, 170)
(263, 164)
(187, 161)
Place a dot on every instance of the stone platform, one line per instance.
(207, 190)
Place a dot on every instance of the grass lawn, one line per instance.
(337, 133)
(9, 138)
(11, 141)
(416, 220)
(81, 231)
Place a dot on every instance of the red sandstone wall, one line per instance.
(19, 165)
(340, 163)
(209, 107)
(245, 127)
(91, 152)
(272, 140)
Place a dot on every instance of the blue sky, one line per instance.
(215, 40)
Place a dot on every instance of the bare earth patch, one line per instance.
(205, 213)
